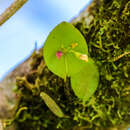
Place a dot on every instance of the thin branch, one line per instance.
(15, 6)
(120, 56)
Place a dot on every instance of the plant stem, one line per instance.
(12, 9)
(66, 68)
(120, 56)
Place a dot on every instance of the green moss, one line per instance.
(107, 37)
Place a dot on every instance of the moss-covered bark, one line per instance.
(107, 37)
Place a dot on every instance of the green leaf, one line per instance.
(52, 105)
(64, 37)
(85, 82)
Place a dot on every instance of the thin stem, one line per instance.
(66, 67)
(122, 55)
(12, 9)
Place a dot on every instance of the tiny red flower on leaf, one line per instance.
(58, 54)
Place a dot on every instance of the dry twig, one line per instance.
(15, 6)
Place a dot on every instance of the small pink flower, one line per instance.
(58, 54)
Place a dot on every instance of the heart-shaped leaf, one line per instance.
(58, 47)
(85, 82)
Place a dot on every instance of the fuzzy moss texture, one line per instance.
(108, 41)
